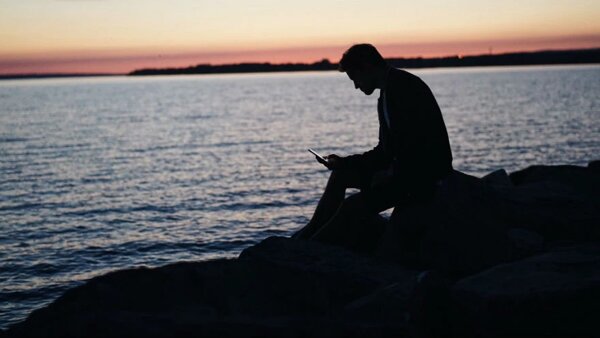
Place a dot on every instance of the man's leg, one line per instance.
(347, 227)
(330, 202)
(343, 227)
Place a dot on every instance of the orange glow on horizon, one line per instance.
(123, 61)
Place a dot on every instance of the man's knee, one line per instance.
(355, 204)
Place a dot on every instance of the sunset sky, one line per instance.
(117, 36)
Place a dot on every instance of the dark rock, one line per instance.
(429, 305)
(460, 231)
(386, 303)
(467, 226)
(558, 202)
(498, 177)
(581, 180)
(523, 243)
(279, 287)
(552, 294)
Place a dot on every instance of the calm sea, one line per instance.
(100, 174)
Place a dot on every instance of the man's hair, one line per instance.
(357, 56)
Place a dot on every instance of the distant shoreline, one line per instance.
(548, 57)
(579, 56)
(52, 75)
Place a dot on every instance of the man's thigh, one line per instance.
(381, 197)
(354, 178)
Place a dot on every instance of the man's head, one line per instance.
(364, 66)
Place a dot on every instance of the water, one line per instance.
(99, 174)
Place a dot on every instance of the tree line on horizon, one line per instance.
(578, 56)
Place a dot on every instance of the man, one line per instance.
(412, 156)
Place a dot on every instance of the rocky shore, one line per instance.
(503, 255)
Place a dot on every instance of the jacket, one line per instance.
(416, 143)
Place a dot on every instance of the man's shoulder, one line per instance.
(400, 79)
(400, 76)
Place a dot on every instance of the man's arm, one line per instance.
(374, 159)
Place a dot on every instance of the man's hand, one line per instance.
(333, 162)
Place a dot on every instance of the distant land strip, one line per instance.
(550, 57)
(50, 75)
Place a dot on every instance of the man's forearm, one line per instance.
(374, 159)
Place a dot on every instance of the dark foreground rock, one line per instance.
(280, 287)
(503, 255)
(473, 223)
(553, 294)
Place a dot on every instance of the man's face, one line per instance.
(363, 79)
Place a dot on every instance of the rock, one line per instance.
(389, 303)
(552, 294)
(279, 287)
(460, 231)
(559, 202)
(429, 305)
(498, 178)
(467, 226)
(523, 243)
(583, 181)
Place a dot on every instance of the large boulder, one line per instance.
(584, 180)
(553, 294)
(558, 202)
(459, 231)
(472, 223)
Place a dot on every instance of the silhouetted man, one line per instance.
(412, 156)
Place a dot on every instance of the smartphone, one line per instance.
(320, 158)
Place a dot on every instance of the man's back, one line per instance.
(417, 138)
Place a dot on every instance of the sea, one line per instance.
(105, 173)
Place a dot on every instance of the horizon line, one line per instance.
(447, 56)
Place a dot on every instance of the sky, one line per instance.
(118, 36)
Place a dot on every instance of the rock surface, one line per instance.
(280, 287)
(476, 223)
(553, 294)
(514, 254)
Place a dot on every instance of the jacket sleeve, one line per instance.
(372, 160)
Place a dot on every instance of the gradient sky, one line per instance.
(116, 36)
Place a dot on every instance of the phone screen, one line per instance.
(321, 158)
